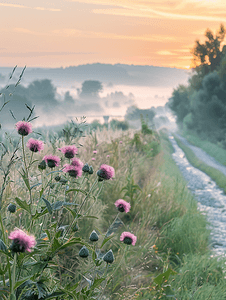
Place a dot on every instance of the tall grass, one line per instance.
(171, 232)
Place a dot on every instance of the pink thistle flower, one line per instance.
(128, 238)
(93, 158)
(108, 155)
(73, 171)
(21, 241)
(69, 151)
(95, 152)
(122, 205)
(35, 145)
(77, 162)
(52, 160)
(106, 172)
(120, 142)
(23, 128)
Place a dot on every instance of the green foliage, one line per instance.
(207, 56)
(115, 125)
(133, 113)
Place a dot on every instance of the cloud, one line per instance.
(152, 13)
(176, 10)
(49, 9)
(13, 5)
(23, 6)
(36, 54)
(165, 53)
(93, 34)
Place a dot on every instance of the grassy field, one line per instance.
(171, 258)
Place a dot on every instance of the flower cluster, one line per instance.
(21, 241)
(35, 145)
(122, 205)
(128, 238)
(23, 128)
(51, 160)
(106, 172)
(73, 171)
(69, 151)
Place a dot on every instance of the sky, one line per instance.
(62, 33)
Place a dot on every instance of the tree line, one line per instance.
(200, 107)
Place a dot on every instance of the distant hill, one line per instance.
(106, 73)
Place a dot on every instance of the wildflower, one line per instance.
(35, 145)
(23, 128)
(84, 252)
(42, 165)
(77, 162)
(11, 208)
(69, 151)
(109, 257)
(95, 152)
(93, 158)
(93, 236)
(128, 238)
(122, 205)
(120, 142)
(106, 172)
(21, 241)
(85, 168)
(108, 155)
(73, 171)
(52, 160)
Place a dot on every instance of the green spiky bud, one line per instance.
(109, 257)
(84, 252)
(57, 178)
(90, 170)
(85, 168)
(93, 236)
(42, 165)
(11, 208)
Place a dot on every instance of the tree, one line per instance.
(179, 102)
(91, 89)
(207, 56)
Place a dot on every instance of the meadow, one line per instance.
(101, 214)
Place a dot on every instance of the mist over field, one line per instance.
(91, 90)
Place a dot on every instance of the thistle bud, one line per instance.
(42, 165)
(109, 257)
(90, 170)
(11, 208)
(93, 236)
(85, 168)
(84, 252)
(57, 178)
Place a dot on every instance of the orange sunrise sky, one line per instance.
(62, 33)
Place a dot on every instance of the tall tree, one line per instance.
(208, 55)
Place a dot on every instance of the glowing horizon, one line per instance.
(74, 32)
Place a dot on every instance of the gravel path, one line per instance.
(211, 199)
(202, 155)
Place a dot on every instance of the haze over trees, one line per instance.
(200, 107)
